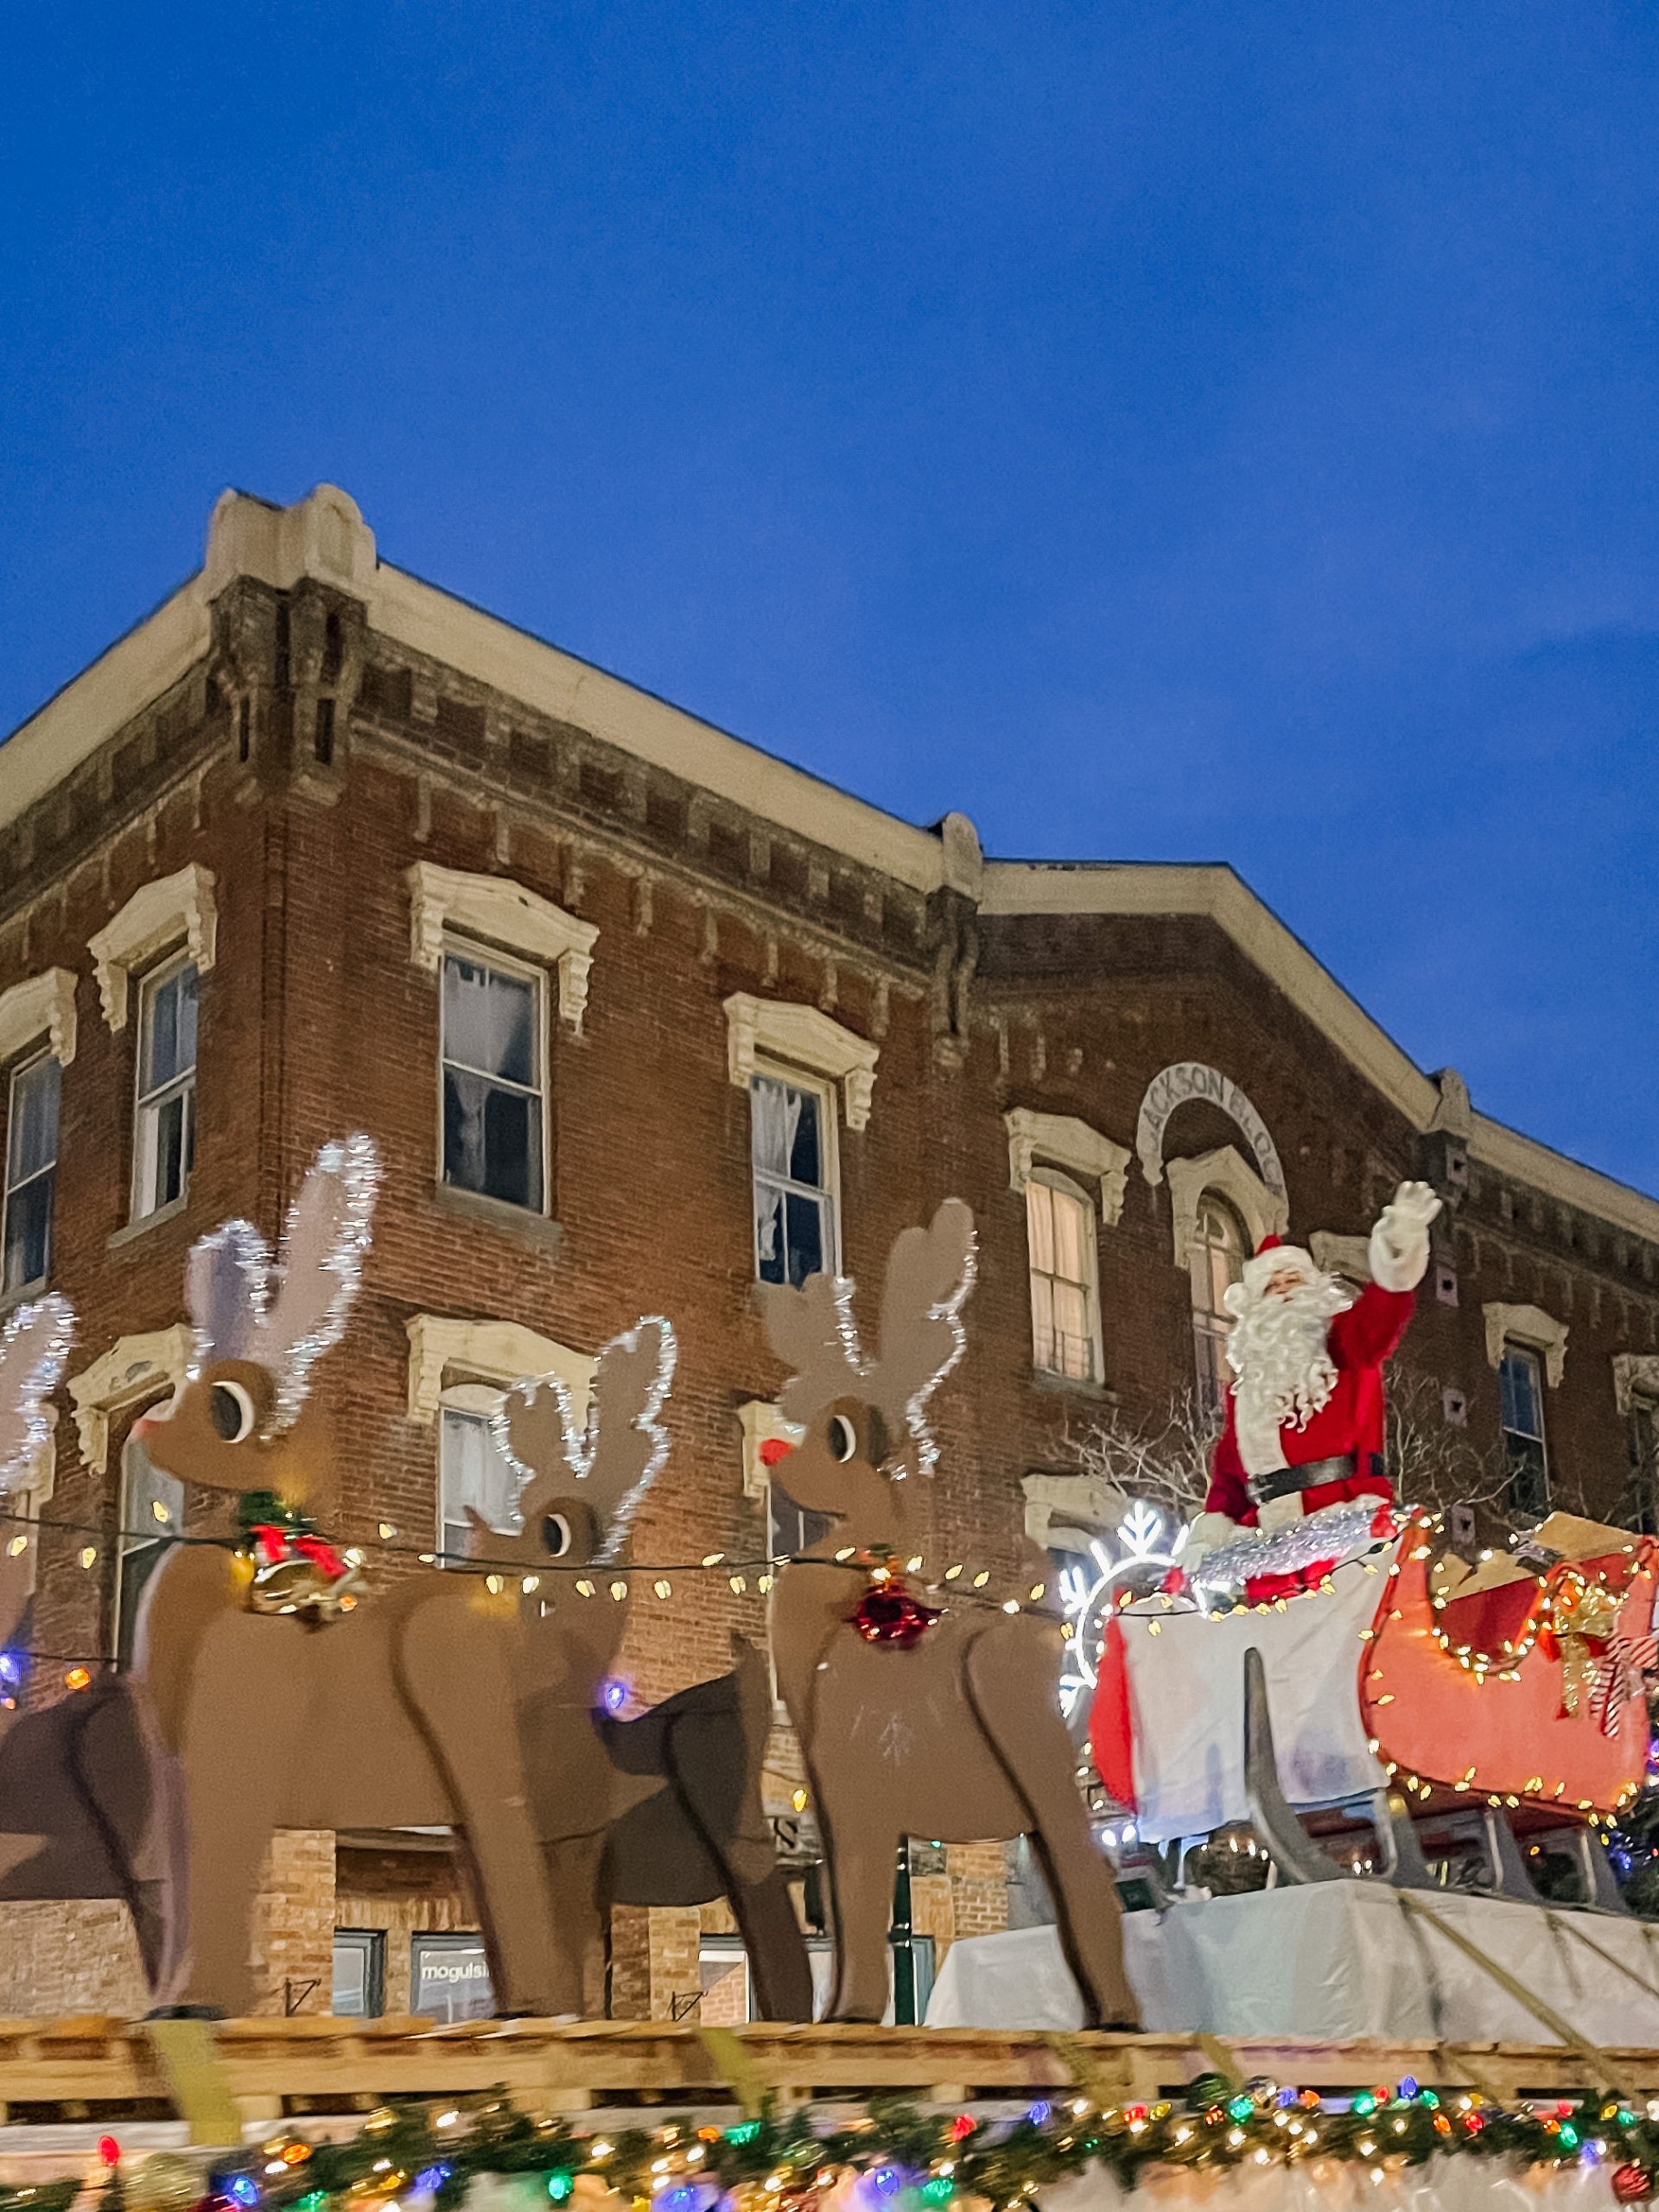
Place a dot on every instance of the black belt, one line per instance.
(1283, 1481)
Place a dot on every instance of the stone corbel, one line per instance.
(1350, 1256)
(155, 918)
(40, 1005)
(500, 912)
(1634, 1373)
(802, 1037)
(133, 1368)
(1061, 1141)
(1530, 1325)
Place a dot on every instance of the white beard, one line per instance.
(1286, 1374)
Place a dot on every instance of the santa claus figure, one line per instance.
(1305, 1413)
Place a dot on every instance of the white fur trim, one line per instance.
(1259, 1272)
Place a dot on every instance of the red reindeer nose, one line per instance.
(774, 1449)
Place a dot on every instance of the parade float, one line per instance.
(1309, 1659)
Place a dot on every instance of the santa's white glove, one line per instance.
(1277, 1513)
(1399, 1247)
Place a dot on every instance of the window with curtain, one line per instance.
(164, 1135)
(473, 1471)
(792, 1179)
(1216, 1260)
(31, 1172)
(1060, 1238)
(494, 1123)
(1521, 1397)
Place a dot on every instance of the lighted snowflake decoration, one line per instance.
(1139, 1541)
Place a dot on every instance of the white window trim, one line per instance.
(1635, 1374)
(1087, 1504)
(443, 1350)
(1058, 1180)
(1530, 1326)
(498, 910)
(487, 957)
(825, 1091)
(133, 1368)
(42, 1006)
(152, 922)
(1264, 1212)
(1061, 1141)
(799, 1037)
(1342, 1255)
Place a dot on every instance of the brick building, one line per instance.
(634, 1010)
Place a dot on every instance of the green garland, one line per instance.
(917, 2162)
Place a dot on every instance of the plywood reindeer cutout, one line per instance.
(956, 1736)
(89, 1806)
(399, 1714)
(665, 1808)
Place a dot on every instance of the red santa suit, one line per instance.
(1310, 1396)
(1349, 1426)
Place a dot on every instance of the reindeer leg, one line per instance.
(1026, 1736)
(764, 1913)
(454, 1671)
(861, 1856)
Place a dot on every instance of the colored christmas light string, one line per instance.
(889, 2157)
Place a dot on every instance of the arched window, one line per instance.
(1215, 1255)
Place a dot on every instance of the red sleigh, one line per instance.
(1512, 1694)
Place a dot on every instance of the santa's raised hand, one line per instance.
(1399, 1245)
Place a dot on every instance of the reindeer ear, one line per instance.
(536, 1431)
(33, 1350)
(813, 1332)
(323, 1249)
(627, 1445)
(227, 1285)
(929, 1274)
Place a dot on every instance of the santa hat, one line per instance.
(1272, 1254)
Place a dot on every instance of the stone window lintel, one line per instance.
(156, 916)
(804, 1037)
(40, 1005)
(500, 912)
(1061, 1141)
(1531, 1327)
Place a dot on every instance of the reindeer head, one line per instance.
(866, 1418)
(231, 1425)
(583, 1484)
(33, 1347)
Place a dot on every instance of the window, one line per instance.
(790, 1528)
(1644, 1463)
(1060, 1233)
(792, 1150)
(360, 1991)
(494, 1140)
(473, 1471)
(165, 1136)
(449, 1978)
(152, 1513)
(1520, 1393)
(1215, 1257)
(31, 1172)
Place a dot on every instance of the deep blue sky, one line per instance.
(1182, 429)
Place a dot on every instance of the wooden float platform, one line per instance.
(97, 2069)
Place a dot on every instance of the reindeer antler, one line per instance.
(229, 1277)
(33, 1350)
(813, 1332)
(929, 1274)
(612, 1460)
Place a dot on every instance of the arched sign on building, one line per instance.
(1186, 1079)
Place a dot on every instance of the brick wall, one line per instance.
(315, 1020)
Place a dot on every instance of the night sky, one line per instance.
(1160, 431)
